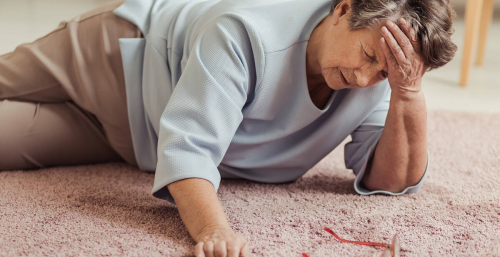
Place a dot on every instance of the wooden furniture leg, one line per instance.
(473, 10)
(486, 16)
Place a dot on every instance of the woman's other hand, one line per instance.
(221, 241)
(402, 51)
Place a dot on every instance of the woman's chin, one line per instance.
(335, 85)
(333, 79)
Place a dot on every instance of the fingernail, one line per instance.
(402, 21)
(390, 23)
(384, 29)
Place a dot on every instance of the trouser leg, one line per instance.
(40, 135)
(79, 61)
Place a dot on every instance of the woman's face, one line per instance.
(351, 58)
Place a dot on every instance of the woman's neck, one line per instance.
(314, 52)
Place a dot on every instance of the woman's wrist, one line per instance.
(198, 205)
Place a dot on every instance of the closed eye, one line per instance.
(372, 59)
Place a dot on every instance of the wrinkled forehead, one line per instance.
(371, 36)
(370, 39)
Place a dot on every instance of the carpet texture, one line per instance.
(107, 210)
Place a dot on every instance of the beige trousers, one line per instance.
(62, 97)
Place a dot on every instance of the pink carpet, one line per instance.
(107, 209)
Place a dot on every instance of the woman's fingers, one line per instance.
(393, 46)
(236, 248)
(401, 38)
(245, 252)
(233, 248)
(221, 242)
(391, 60)
(198, 250)
(407, 29)
(209, 249)
(411, 34)
(220, 249)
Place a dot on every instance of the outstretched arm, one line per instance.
(196, 128)
(202, 213)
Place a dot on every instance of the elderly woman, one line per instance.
(198, 90)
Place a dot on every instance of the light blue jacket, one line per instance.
(218, 89)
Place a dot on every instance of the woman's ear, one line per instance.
(341, 10)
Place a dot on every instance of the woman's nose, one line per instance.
(365, 78)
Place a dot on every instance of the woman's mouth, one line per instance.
(344, 81)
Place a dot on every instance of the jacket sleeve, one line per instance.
(205, 109)
(365, 138)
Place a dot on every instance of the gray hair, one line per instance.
(431, 19)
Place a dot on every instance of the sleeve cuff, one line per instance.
(360, 189)
(165, 176)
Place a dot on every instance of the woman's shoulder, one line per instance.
(277, 24)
